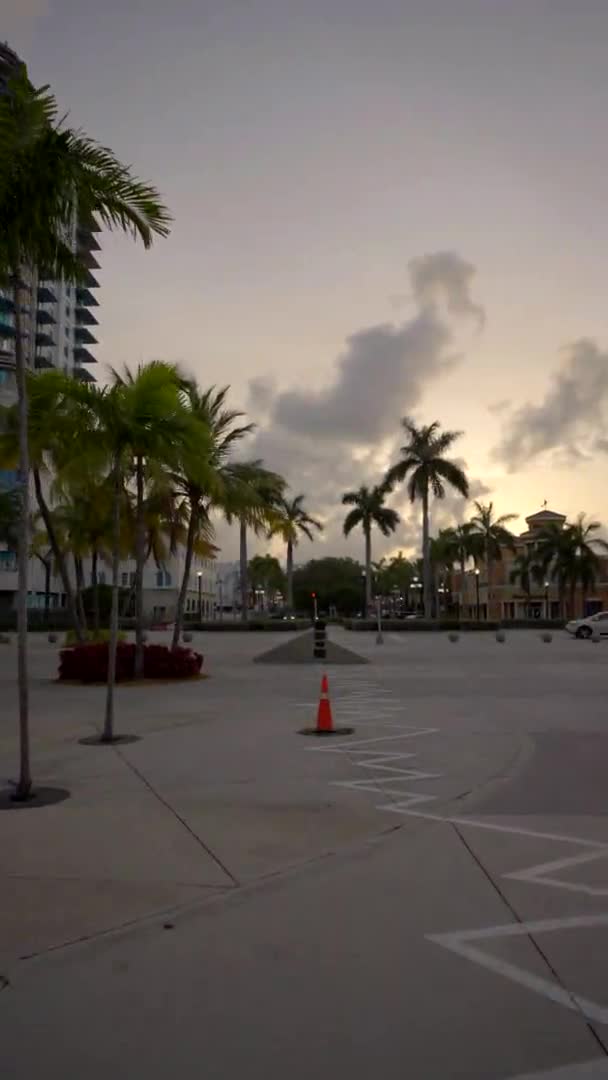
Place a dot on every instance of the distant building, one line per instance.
(504, 599)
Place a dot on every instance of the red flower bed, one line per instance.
(89, 663)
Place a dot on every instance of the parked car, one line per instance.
(583, 628)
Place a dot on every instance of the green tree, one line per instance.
(291, 522)
(368, 509)
(258, 508)
(9, 518)
(494, 537)
(428, 471)
(571, 556)
(337, 583)
(465, 544)
(265, 573)
(206, 476)
(526, 571)
(47, 171)
(152, 406)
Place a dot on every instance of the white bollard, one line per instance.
(453, 636)
(547, 637)
(501, 636)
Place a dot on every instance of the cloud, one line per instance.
(445, 277)
(348, 432)
(569, 417)
(499, 407)
(379, 377)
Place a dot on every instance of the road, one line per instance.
(427, 897)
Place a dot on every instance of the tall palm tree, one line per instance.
(47, 171)
(428, 471)
(152, 400)
(205, 475)
(570, 556)
(259, 507)
(526, 571)
(495, 537)
(465, 545)
(368, 509)
(292, 522)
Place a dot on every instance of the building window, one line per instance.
(101, 577)
(132, 578)
(159, 579)
(167, 578)
(66, 351)
(124, 577)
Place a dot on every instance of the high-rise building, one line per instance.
(57, 319)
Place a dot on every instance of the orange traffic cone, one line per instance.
(325, 723)
(324, 717)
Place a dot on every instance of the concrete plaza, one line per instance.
(426, 898)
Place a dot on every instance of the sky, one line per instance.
(380, 210)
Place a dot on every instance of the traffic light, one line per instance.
(314, 595)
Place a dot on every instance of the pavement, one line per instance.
(425, 898)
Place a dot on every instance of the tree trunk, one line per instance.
(368, 571)
(95, 584)
(47, 591)
(79, 591)
(58, 556)
(181, 600)
(488, 582)
(572, 600)
(25, 776)
(244, 570)
(290, 575)
(108, 727)
(140, 544)
(426, 557)
(461, 602)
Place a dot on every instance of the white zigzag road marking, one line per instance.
(365, 755)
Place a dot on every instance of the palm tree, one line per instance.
(423, 461)
(293, 521)
(55, 425)
(570, 556)
(153, 406)
(442, 563)
(526, 570)
(494, 535)
(46, 172)
(368, 510)
(205, 476)
(465, 545)
(9, 517)
(259, 505)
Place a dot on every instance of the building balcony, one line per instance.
(85, 298)
(45, 339)
(42, 362)
(89, 281)
(85, 318)
(84, 336)
(86, 239)
(84, 375)
(87, 258)
(44, 317)
(46, 295)
(83, 356)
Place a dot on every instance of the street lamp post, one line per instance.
(477, 590)
(416, 585)
(364, 580)
(200, 595)
(546, 599)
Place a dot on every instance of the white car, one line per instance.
(583, 628)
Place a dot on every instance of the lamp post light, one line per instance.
(416, 586)
(200, 595)
(546, 599)
(364, 582)
(477, 590)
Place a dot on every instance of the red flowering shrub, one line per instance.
(89, 663)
